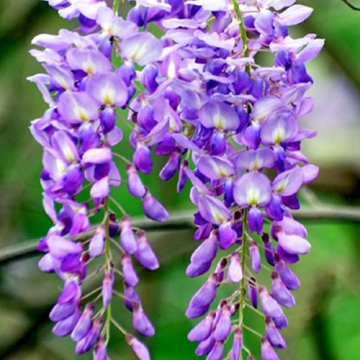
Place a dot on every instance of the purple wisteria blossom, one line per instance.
(227, 126)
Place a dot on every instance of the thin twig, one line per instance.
(350, 5)
(184, 221)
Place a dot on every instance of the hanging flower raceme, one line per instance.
(78, 132)
(225, 124)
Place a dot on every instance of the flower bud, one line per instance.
(65, 327)
(107, 288)
(202, 300)
(129, 273)
(202, 330)
(134, 183)
(289, 279)
(84, 324)
(255, 256)
(235, 271)
(141, 323)
(223, 327)
(273, 335)
(267, 352)
(280, 293)
(269, 305)
(153, 209)
(127, 237)
(138, 347)
(144, 253)
(97, 243)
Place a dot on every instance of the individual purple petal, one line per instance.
(227, 236)
(129, 273)
(255, 159)
(289, 279)
(91, 338)
(153, 208)
(65, 147)
(65, 327)
(134, 183)
(84, 324)
(127, 237)
(223, 327)
(197, 269)
(281, 322)
(273, 335)
(144, 253)
(215, 168)
(235, 273)
(88, 60)
(274, 208)
(206, 252)
(253, 293)
(205, 346)
(100, 352)
(60, 247)
(71, 292)
(138, 347)
(255, 220)
(279, 128)
(100, 189)
(97, 156)
(216, 352)
(294, 244)
(201, 301)
(213, 210)
(142, 159)
(170, 168)
(255, 256)
(267, 352)
(269, 250)
(107, 89)
(107, 288)
(252, 189)
(310, 173)
(77, 107)
(141, 323)
(202, 331)
(289, 182)
(269, 305)
(266, 106)
(142, 48)
(220, 116)
(294, 15)
(61, 312)
(130, 297)
(220, 269)
(237, 344)
(113, 25)
(280, 293)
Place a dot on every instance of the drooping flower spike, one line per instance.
(225, 124)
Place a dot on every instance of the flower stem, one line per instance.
(108, 260)
(116, 5)
(242, 31)
(242, 282)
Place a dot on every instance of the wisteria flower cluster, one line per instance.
(227, 125)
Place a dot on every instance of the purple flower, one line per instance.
(201, 301)
(144, 253)
(202, 331)
(153, 209)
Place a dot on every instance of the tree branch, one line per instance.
(183, 221)
(350, 5)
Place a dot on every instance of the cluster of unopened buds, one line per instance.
(229, 126)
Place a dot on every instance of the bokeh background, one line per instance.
(325, 322)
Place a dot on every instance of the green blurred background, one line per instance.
(325, 322)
